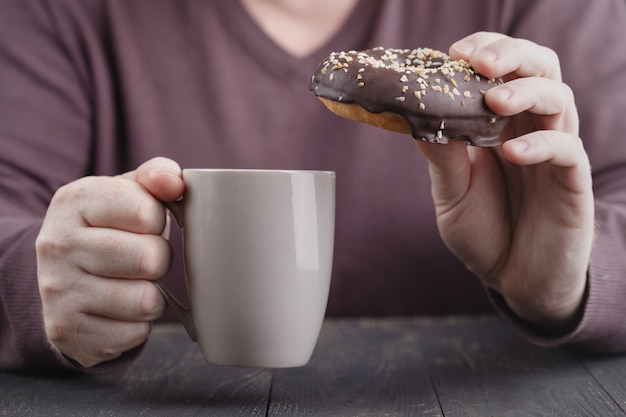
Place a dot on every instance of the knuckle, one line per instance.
(149, 216)
(59, 332)
(90, 349)
(76, 339)
(56, 333)
(153, 259)
(55, 287)
(50, 289)
(151, 303)
(139, 334)
(68, 193)
(76, 191)
(51, 247)
(553, 64)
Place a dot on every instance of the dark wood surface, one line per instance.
(450, 366)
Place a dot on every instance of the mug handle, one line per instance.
(183, 312)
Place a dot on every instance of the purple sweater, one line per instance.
(96, 87)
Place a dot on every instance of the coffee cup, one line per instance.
(258, 249)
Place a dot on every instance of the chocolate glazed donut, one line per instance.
(420, 91)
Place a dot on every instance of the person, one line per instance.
(102, 103)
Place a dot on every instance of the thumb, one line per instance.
(162, 177)
(450, 170)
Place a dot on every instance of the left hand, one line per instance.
(520, 216)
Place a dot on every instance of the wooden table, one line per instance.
(362, 367)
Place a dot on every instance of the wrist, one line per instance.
(553, 317)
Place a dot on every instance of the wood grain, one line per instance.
(169, 379)
(359, 368)
(486, 369)
(444, 367)
(472, 366)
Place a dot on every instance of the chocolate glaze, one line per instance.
(440, 98)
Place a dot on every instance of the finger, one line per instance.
(118, 254)
(465, 47)
(449, 168)
(162, 177)
(110, 202)
(91, 340)
(119, 299)
(130, 209)
(103, 252)
(539, 96)
(454, 174)
(496, 55)
(559, 170)
(558, 148)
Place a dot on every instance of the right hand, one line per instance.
(521, 216)
(102, 241)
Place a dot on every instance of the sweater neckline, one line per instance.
(353, 34)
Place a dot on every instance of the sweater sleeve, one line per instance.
(590, 43)
(45, 134)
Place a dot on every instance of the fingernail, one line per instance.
(465, 47)
(519, 145)
(502, 93)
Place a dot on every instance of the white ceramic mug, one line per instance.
(258, 248)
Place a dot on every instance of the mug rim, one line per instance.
(257, 171)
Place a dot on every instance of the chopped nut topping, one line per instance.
(431, 70)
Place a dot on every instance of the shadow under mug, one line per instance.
(258, 249)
